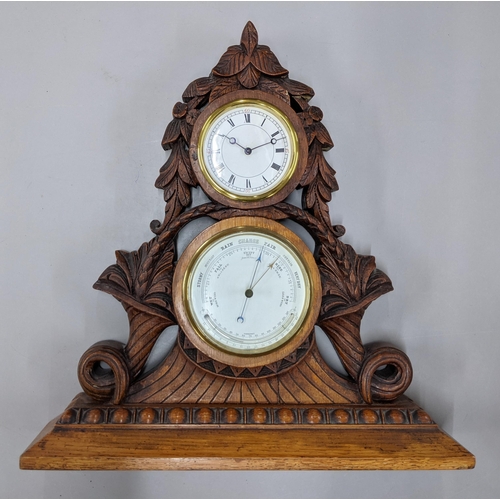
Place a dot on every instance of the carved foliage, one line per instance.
(350, 281)
(319, 179)
(142, 280)
(248, 60)
(252, 66)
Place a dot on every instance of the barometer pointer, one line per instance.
(248, 291)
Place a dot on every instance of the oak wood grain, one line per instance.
(202, 408)
(300, 449)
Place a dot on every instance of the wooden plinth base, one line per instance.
(165, 437)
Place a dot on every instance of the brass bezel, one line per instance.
(294, 149)
(187, 280)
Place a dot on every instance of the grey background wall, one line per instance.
(410, 94)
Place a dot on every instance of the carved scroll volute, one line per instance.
(386, 373)
(142, 282)
(101, 383)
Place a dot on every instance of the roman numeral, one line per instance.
(275, 166)
(247, 117)
(219, 168)
(231, 179)
(264, 178)
(280, 150)
(230, 122)
(262, 124)
(248, 184)
(275, 133)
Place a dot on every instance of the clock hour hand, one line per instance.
(232, 140)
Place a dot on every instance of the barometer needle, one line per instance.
(269, 267)
(248, 292)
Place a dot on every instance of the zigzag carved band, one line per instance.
(207, 364)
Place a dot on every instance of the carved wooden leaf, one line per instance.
(116, 274)
(184, 167)
(176, 199)
(334, 274)
(319, 182)
(224, 87)
(119, 277)
(199, 87)
(159, 290)
(178, 190)
(143, 276)
(323, 190)
(266, 62)
(327, 174)
(274, 87)
(310, 195)
(232, 62)
(249, 77)
(311, 171)
(185, 130)
(175, 178)
(177, 164)
(297, 89)
(323, 136)
(348, 280)
(249, 38)
(143, 262)
(167, 173)
(172, 133)
(301, 102)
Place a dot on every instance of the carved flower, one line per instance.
(180, 110)
(248, 60)
(192, 116)
(181, 125)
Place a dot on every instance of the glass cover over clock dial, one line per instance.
(248, 149)
(247, 291)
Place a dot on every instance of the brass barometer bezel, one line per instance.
(183, 276)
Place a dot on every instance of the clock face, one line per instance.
(248, 149)
(247, 290)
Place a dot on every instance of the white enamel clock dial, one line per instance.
(248, 149)
(247, 291)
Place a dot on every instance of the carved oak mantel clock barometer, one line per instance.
(245, 386)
